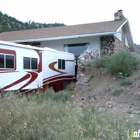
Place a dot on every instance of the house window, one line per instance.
(77, 48)
(61, 64)
(6, 61)
(30, 63)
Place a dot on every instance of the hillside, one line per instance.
(109, 82)
(107, 91)
(8, 23)
(101, 106)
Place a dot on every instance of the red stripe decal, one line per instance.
(40, 62)
(51, 66)
(16, 82)
(34, 76)
(51, 77)
(58, 78)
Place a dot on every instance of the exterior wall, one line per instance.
(120, 43)
(126, 42)
(107, 45)
(119, 35)
(94, 43)
(111, 44)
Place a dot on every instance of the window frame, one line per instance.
(77, 48)
(5, 61)
(30, 63)
(62, 64)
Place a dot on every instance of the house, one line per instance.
(104, 37)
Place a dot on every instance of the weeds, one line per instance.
(63, 96)
(40, 117)
(23, 119)
(117, 92)
(99, 62)
(123, 62)
(126, 82)
(71, 86)
(103, 125)
(138, 85)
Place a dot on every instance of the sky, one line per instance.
(72, 12)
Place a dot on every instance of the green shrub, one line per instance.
(104, 126)
(71, 86)
(126, 82)
(122, 61)
(63, 96)
(117, 92)
(38, 118)
(22, 119)
(99, 62)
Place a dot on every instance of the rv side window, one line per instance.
(30, 63)
(61, 64)
(9, 61)
(26, 63)
(6, 61)
(34, 63)
(1, 61)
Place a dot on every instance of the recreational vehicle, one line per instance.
(25, 68)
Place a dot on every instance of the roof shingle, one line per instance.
(90, 28)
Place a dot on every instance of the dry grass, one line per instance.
(38, 117)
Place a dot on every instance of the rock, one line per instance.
(109, 104)
(129, 112)
(130, 106)
(89, 97)
(95, 98)
(138, 123)
(81, 106)
(84, 62)
(72, 96)
(137, 112)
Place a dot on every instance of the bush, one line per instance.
(99, 62)
(117, 92)
(126, 82)
(103, 125)
(22, 119)
(122, 62)
(38, 118)
(71, 86)
(63, 96)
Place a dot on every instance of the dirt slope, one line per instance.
(103, 91)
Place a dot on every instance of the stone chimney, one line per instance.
(119, 15)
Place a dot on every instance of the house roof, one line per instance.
(81, 29)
